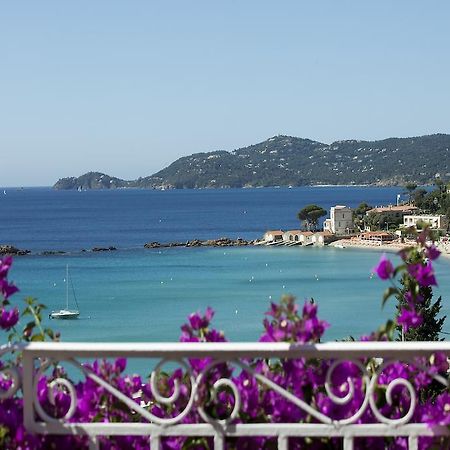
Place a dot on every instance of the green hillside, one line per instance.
(291, 161)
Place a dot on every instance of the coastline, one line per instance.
(393, 247)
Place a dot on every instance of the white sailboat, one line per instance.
(66, 313)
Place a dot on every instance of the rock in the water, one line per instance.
(53, 252)
(153, 244)
(104, 249)
(11, 250)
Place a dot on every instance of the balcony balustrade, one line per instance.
(39, 357)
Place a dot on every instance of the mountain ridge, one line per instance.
(292, 161)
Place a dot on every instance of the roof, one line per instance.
(275, 232)
(376, 233)
(305, 233)
(341, 207)
(400, 208)
(323, 233)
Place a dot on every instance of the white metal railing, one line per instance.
(37, 357)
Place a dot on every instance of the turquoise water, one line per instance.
(145, 295)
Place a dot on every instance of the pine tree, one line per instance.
(431, 328)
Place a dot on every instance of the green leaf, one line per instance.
(389, 292)
(399, 269)
(37, 338)
(30, 325)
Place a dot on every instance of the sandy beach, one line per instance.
(386, 246)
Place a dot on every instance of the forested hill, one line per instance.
(291, 161)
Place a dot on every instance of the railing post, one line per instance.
(219, 442)
(348, 443)
(27, 386)
(93, 443)
(283, 442)
(413, 443)
(155, 442)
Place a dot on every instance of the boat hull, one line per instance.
(64, 315)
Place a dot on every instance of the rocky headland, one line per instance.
(292, 161)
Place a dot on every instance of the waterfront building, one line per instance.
(322, 238)
(340, 221)
(392, 213)
(302, 237)
(273, 236)
(377, 236)
(438, 221)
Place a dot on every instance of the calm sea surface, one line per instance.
(135, 294)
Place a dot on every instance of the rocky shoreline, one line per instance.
(7, 249)
(221, 242)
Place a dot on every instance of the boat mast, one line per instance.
(67, 286)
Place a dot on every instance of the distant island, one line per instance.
(292, 161)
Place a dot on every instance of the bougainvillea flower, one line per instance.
(409, 319)
(7, 289)
(5, 264)
(8, 318)
(424, 274)
(384, 269)
(413, 299)
(432, 252)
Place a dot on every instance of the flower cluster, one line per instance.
(416, 273)
(287, 326)
(8, 316)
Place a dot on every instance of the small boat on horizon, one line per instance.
(67, 314)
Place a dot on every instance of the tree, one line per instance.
(362, 208)
(431, 327)
(359, 214)
(419, 197)
(410, 188)
(310, 215)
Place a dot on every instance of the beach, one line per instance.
(394, 246)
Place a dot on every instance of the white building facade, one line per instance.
(340, 221)
(438, 222)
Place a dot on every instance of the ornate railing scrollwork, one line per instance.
(356, 390)
(218, 385)
(389, 391)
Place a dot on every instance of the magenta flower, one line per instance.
(413, 299)
(7, 289)
(8, 318)
(424, 274)
(120, 364)
(432, 252)
(5, 264)
(409, 319)
(384, 269)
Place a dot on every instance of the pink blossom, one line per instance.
(8, 318)
(424, 274)
(432, 252)
(384, 269)
(409, 319)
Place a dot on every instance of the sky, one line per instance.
(127, 87)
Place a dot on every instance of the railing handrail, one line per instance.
(39, 356)
(239, 349)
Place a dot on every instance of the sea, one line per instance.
(135, 294)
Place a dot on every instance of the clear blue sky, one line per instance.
(126, 87)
